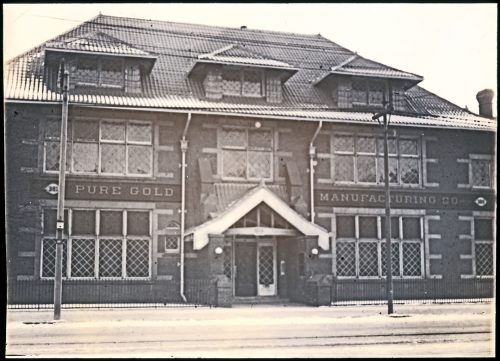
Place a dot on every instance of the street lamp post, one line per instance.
(388, 232)
(60, 197)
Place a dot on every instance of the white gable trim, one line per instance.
(237, 210)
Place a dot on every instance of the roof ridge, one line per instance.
(215, 26)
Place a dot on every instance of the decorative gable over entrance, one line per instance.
(251, 200)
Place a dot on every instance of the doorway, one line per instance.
(255, 268)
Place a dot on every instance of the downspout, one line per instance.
(312, 155)
(184, 147)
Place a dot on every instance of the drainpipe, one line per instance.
(312, 155)
(184, 147)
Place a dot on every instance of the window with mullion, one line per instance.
(246, 153)
(101, 244)
(100, 72)
(243, 83)
(361, 247)
(367, 91)
(359, 159)
(483, 246)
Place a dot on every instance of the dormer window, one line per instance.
(367, 92)
(238, 71)
(243, 83)
(97, 62)
(100, 72)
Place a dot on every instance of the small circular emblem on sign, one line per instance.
(52, 188)
(480, 201)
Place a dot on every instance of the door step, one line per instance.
(259, 300)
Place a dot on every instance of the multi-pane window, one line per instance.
(361, 246)
(479, 171)
(367, 92)
(102, 147)
(243, 83)
(480, 231)
(359, 159)
(246, 153)
(100, 72)
(100, 244)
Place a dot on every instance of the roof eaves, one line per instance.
(128, 55)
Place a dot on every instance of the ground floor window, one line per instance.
(478, 230)
(361, 246)
(99, 244)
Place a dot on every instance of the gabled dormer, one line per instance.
(98, 63)
(361, 84)
(236, 71)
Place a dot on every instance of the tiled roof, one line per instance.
(179, 46)
(238, 54)
(96, 42)
(228, 193)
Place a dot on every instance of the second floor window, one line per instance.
(246, 153)
(102, 147)
(100, 72)
(478, 171)
(360, 159)
(243, 83)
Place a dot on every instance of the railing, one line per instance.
(409, 290)
(104, 294)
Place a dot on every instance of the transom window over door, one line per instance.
(246, 153)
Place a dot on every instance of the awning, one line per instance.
(254, 197)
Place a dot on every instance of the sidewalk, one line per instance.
(294, 331)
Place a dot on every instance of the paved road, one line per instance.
(272, 331)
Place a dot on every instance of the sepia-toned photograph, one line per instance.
(272, 180)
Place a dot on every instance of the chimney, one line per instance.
(485, 99)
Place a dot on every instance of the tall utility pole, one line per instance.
(388, 232)
(60, 196)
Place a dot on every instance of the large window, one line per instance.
(243, 83)
(100, 72)
(359, 159)
(246, 153)
(102, 147)
(361, 247)
(100, 244)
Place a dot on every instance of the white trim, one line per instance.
(258, 195)
(261, 231)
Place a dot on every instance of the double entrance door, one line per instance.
(254, 268)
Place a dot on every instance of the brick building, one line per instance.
(269, 139)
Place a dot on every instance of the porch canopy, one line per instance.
(239, 208)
